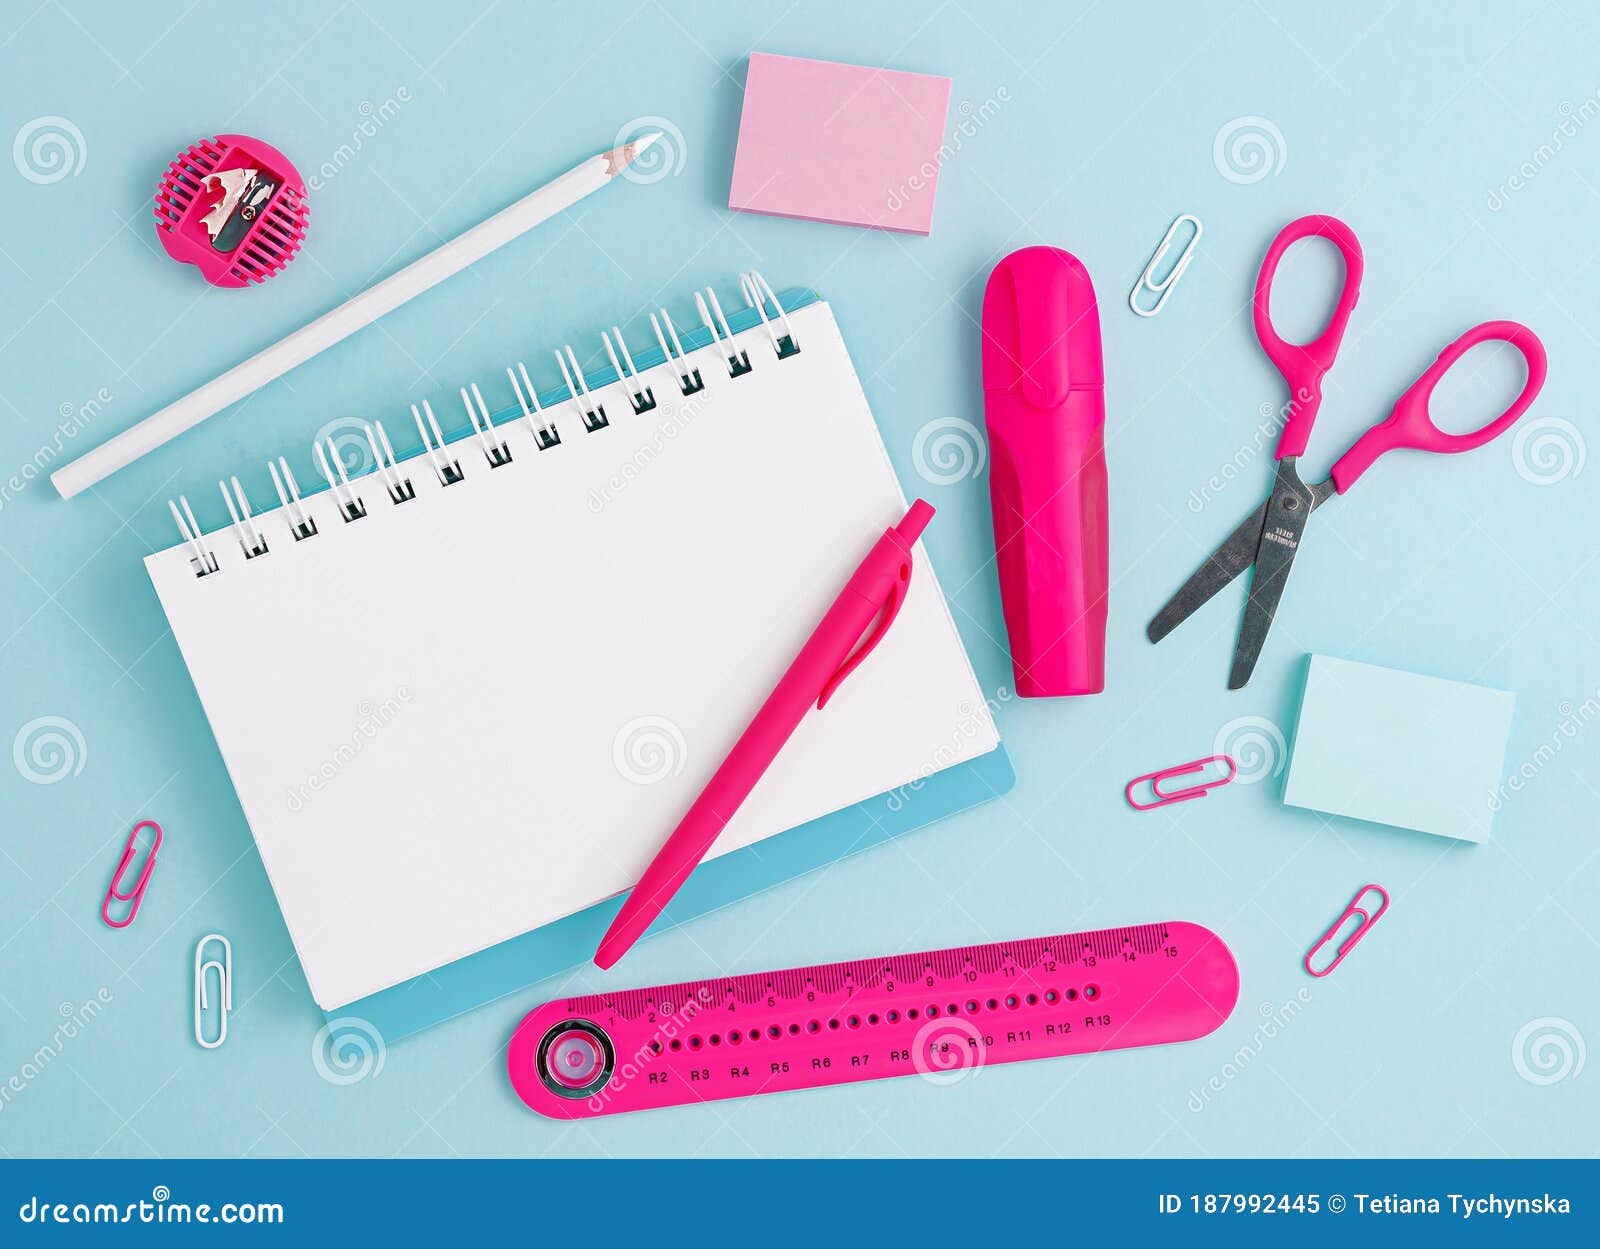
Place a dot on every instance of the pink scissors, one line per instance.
(1269, 538)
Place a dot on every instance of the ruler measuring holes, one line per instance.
(937, 1013)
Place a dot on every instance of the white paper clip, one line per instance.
(689, 380)
(202, 994)
(1163, 289)
(545, 434)
(494, 450)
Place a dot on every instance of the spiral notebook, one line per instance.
(465, 692)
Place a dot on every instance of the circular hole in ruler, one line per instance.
(1072, 995)
(854, 1021)
(1011, 1001)
(972, 1008)
(992, 1004)
(871, 1019)
(1033, 999)
(813, 1026)
(676, 1045)
(1091, 991)
(1051, 996)
(933, 1012)
(794, 1028)
(833, 1025)
(912, 1014)
(894, 1016)
(952, 1009)
(774, 1032)
(695, 1042)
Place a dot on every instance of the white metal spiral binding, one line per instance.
(400, 487)
(494, 448)
(756, 292)
(639, 395)
(688, 378)
(204, 562)
(448, 468)
(738, 361)
(300, 522)
(244, 524)
(593, 415)
(758, 295)
(544, 433)
(349, 502)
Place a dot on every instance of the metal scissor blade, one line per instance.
(1287, 511)
(1230, 559)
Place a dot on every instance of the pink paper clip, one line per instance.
(134, 896)
(1181, 795)
(1367, 921)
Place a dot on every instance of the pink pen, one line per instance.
(1044, 405)
(875, 592)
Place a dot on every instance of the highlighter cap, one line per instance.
(1044, 408)
(1041, 327)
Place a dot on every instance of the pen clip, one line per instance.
(891, 609)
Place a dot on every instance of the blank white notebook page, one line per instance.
(469, 714)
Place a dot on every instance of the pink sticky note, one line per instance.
(840, 143)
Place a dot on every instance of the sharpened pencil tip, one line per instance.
(619, 158)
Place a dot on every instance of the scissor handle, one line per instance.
(1303, 365)
(1411, 424)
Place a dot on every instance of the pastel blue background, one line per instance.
(1406, 121)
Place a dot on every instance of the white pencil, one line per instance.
(347, 318)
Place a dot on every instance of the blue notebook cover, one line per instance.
(515, 964)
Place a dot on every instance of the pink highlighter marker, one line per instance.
(1044, 404)
(857, 622)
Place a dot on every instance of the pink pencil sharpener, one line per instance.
(234, 207)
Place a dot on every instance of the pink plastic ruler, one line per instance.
(940, 1014)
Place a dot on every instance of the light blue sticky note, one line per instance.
(1397, 748)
